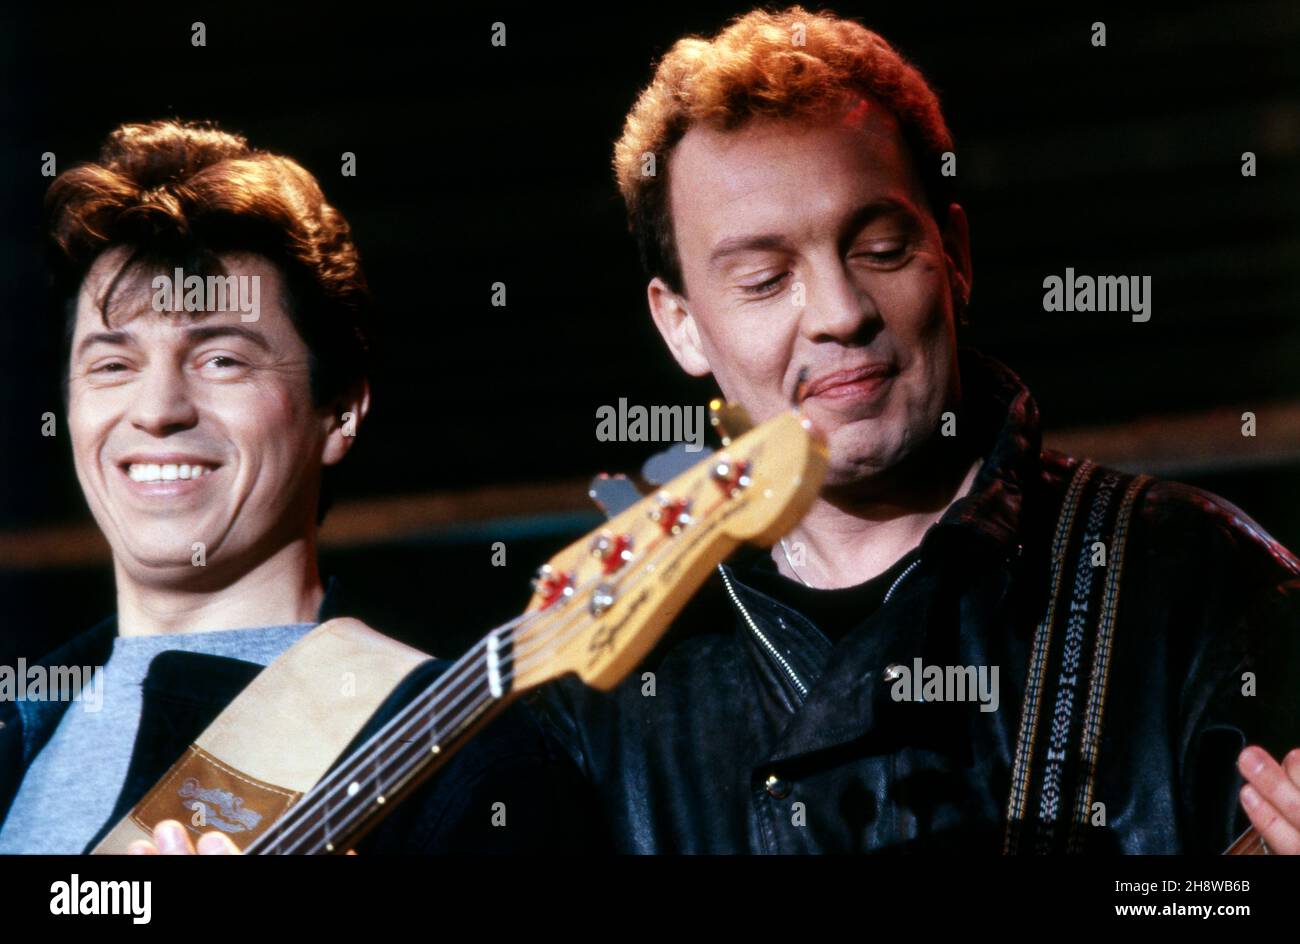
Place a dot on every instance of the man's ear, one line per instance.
(675, 322)
(344, 421)
(956, 246)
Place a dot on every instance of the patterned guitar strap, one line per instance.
(1055, 769)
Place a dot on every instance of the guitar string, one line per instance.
(528, 654)
(324, 790)
(460, 671)
(565, 629)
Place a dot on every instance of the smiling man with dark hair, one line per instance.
(200, 432)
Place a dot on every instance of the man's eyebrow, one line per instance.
(104, 337)
(870, 212)
(208, 332)
(194, 335)
(768, 241)
(737, 244)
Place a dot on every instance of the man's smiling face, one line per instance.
(811, 246)
(193, 428)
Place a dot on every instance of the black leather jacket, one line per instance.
(760, 736)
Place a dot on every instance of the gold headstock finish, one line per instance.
(602, 603)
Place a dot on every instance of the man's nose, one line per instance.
(836, 308)
(163, 402)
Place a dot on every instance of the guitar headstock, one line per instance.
(602, 603)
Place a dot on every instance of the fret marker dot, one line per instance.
(329, 847)
(353, 788)
(379, 800)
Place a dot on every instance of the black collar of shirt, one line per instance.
(835, 612)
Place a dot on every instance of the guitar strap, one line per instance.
(273, 743)
(1055, 770)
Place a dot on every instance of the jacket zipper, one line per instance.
(899, 579)
(767, 644)
(749, 621)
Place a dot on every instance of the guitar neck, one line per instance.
(358, 793)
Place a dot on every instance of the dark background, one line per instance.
(479, 164)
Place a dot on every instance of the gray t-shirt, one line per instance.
(72, 785)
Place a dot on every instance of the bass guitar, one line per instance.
(598, 608)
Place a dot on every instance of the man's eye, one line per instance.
(884, 255)
(112, 367)
(223, 360)
(762, 288)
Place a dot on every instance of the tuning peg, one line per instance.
(729, 419)
(612, 550)
(553, 585)
(671, 514)
(731, 476)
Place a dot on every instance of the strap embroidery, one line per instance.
(1076, 632)
(1091, 738)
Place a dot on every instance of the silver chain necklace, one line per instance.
(889, 593)
(785, 550)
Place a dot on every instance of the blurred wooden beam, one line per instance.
(1186, 444)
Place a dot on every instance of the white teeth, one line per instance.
(153, 472)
